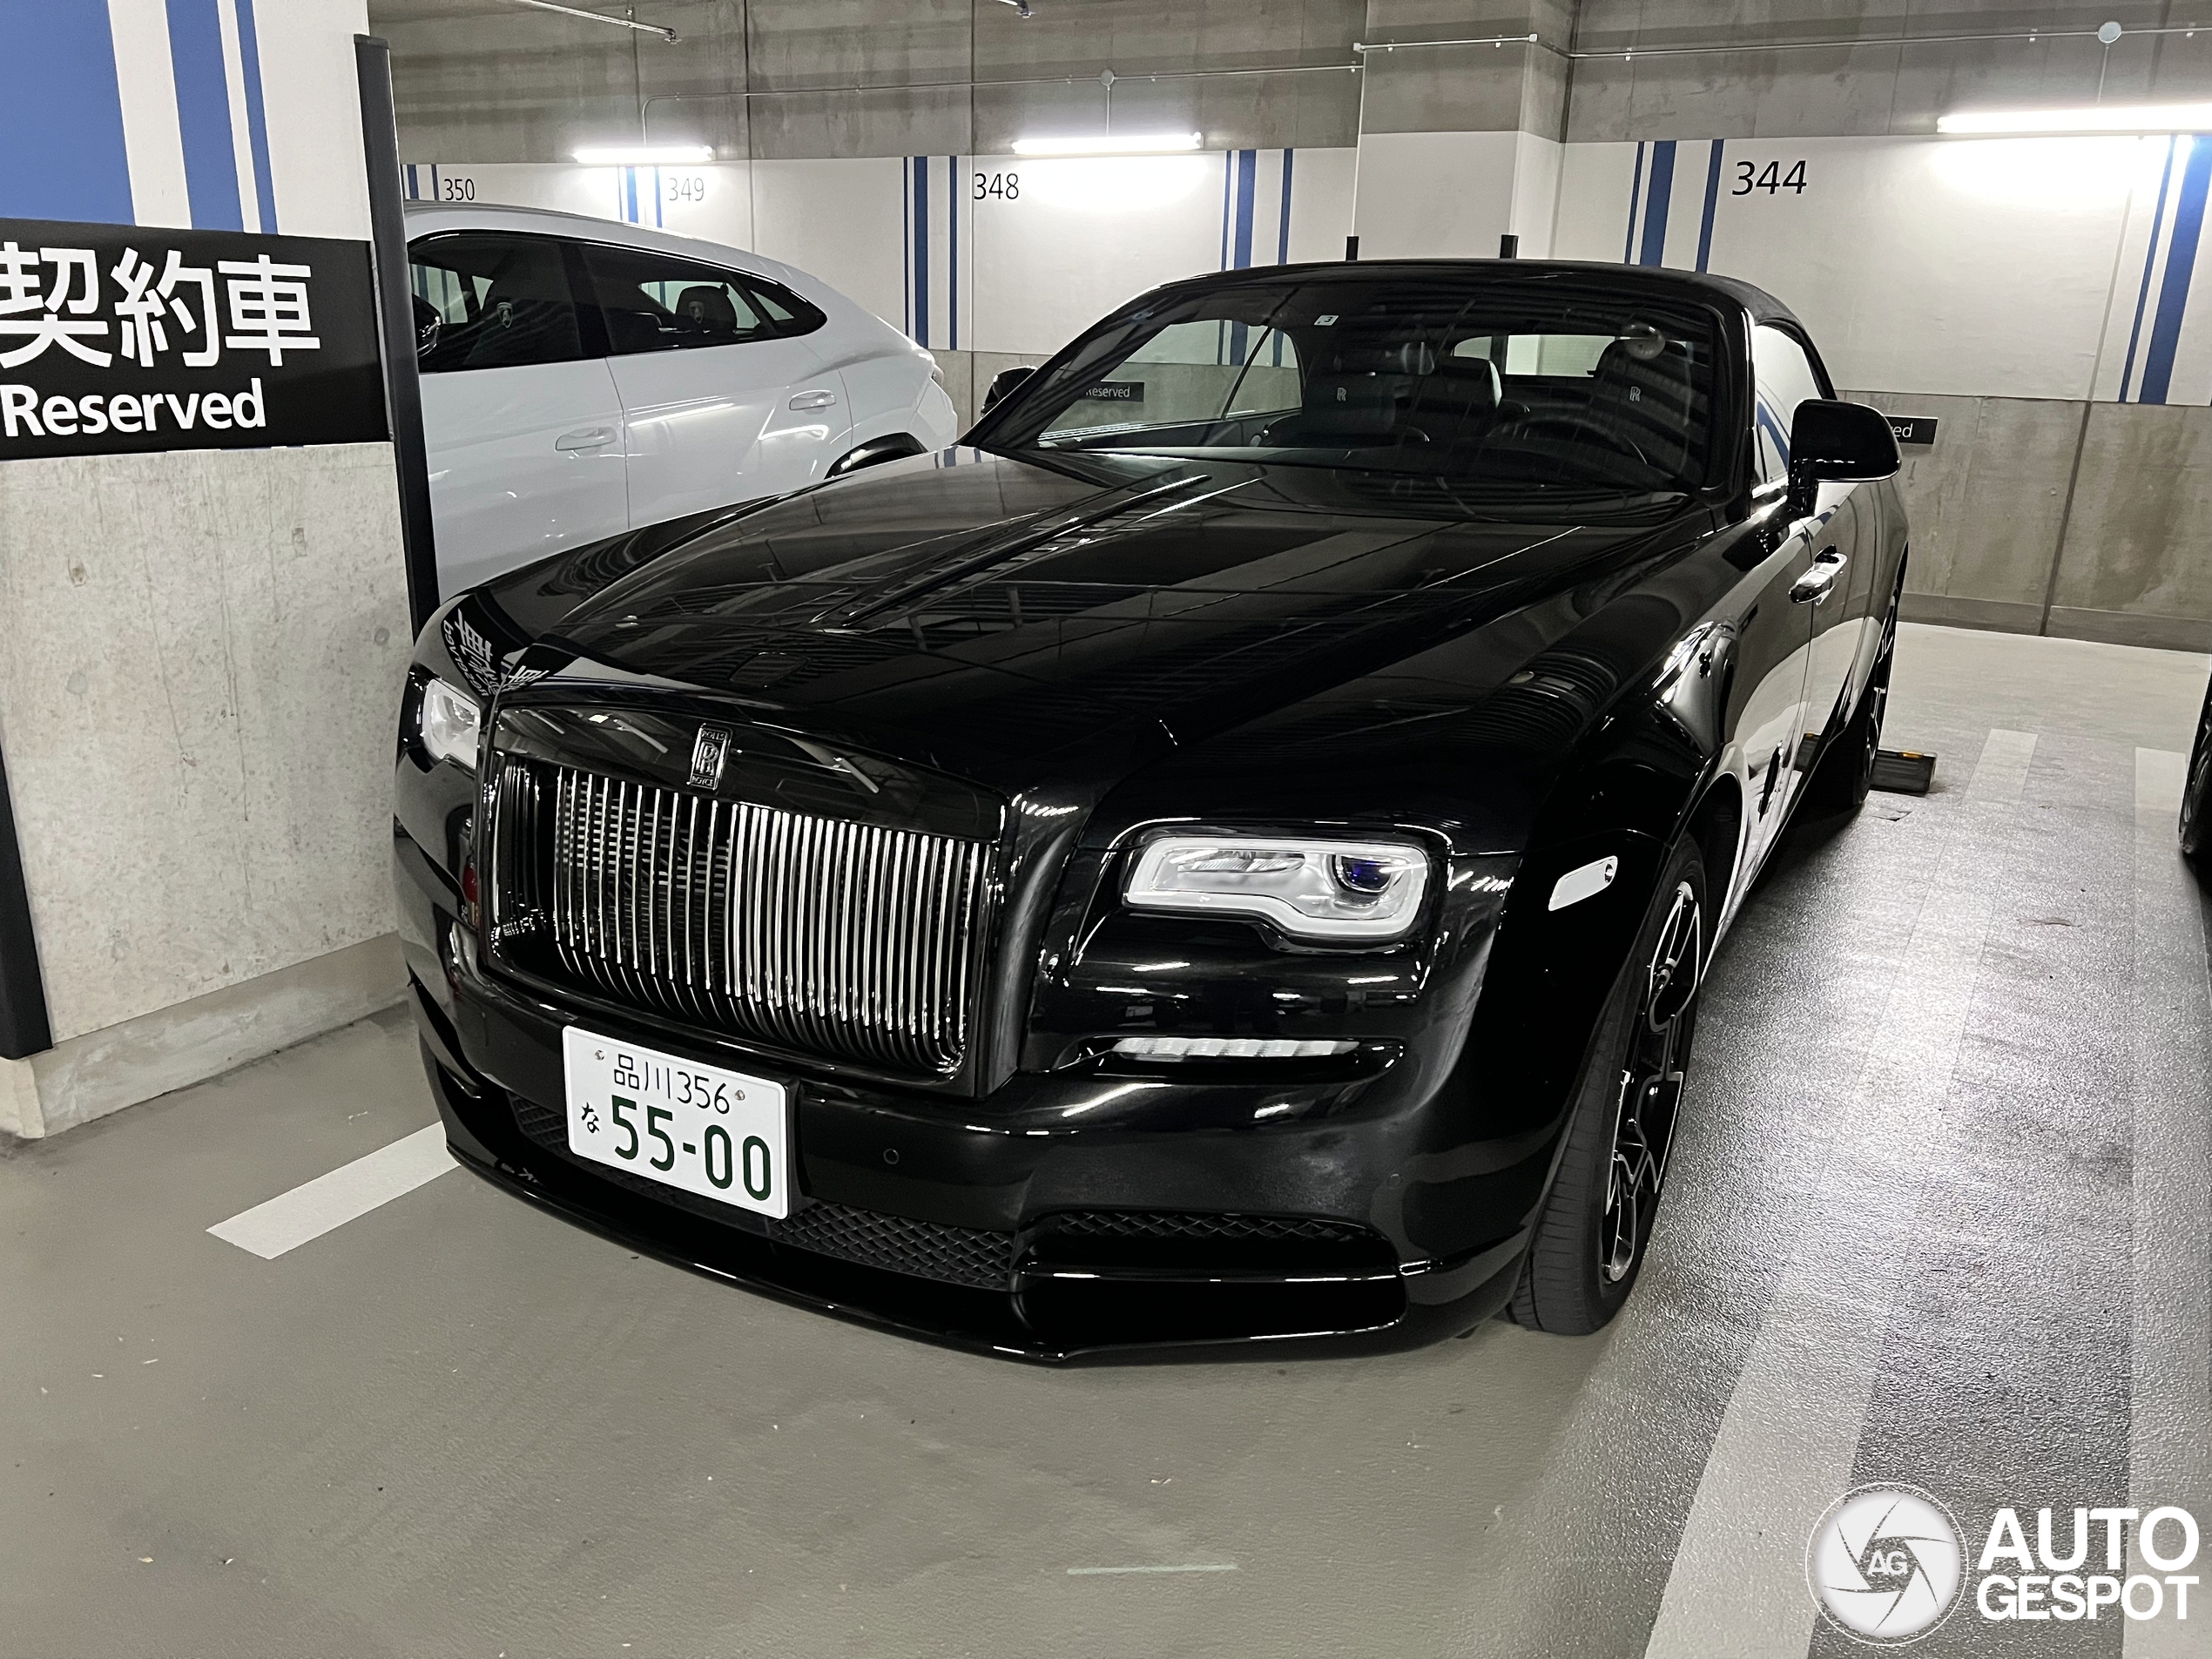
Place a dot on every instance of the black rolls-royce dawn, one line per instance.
(1230, 850)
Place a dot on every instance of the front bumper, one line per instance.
(1064, 1216)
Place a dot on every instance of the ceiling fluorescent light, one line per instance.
(644, 155)
(2111, 117)
(1143, 144)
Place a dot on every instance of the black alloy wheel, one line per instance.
(1846, 771)
(1651, 1083)
(1590, 1242)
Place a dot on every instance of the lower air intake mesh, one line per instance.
(1147, 1224)
(966, 1255)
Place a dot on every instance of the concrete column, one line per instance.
(1462, 114)
(200, 657)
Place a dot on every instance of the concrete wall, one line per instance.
(1693, 73)
(790, 79)
(198, 673)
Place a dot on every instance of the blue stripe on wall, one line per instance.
(1712, 203)
(1240, 244)
(921, 248)
(1283, 242)
(204, 115)
(257, 120)
(1635, 189)
(2150, 263)
(1766, 421)
(1228, 188)
(2180, 262)
(1247, 179)
(1657, 201)
(952, 254)
(61, 115)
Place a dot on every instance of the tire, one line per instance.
(1840, 782)
(2196, 796)
(1589, 1243)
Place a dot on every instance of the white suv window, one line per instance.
(485, 300)
(655, 301)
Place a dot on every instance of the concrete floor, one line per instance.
(1938, 1216)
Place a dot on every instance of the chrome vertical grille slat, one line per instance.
(817, 934)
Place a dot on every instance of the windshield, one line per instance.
(1456, 378)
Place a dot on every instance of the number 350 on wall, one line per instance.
(1750, 176)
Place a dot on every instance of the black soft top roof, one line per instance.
(1646, 279)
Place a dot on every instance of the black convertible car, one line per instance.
(1228, 852)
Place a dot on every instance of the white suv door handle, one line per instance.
(813, 399)
(592, 437)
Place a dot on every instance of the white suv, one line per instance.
(582, 377)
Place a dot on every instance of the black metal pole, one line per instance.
(1508, 247)
(396, 322)
(24, 1026)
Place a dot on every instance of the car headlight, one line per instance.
(1361, 891)
(448, 724)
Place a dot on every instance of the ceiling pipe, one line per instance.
(2105, 34)
(661, 29)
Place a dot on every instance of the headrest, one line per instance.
(708, 306)
(1631, 371)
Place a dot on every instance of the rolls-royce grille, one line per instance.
(813, 933)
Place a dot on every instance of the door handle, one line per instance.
(813, 399)
(591, 438)
(1815, 585)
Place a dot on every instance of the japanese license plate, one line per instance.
(719, 1134)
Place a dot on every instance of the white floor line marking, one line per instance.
(2170, 1300)
(2002, 770)
(290, 1220)
(1791, 1431)
(1194, 1567)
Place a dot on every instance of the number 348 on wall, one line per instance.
(1750, 176)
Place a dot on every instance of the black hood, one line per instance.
(983, 615)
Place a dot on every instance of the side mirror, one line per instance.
(1838, 442)
(1006, 380)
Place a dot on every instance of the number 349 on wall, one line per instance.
(1750, 176)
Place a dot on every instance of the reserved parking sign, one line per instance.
(118, 338)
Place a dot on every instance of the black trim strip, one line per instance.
(395, 323)
(24, 1026)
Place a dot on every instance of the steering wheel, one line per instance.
(1268, 436)
(1581, 426)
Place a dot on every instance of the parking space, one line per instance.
(1937, 1216)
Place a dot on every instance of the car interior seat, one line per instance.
(1643, 391)
(1355, 398)
(526, 316)
(707, 308)
(1458, 402)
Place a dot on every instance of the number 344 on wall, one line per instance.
(1750, 176)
